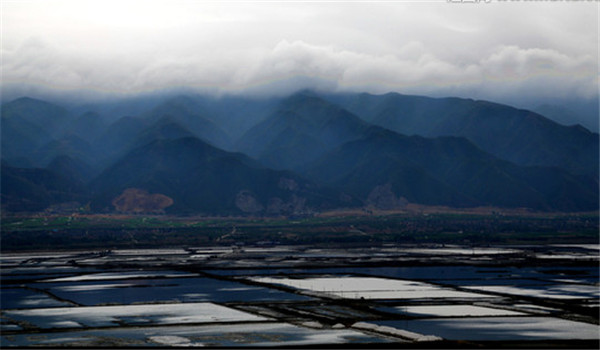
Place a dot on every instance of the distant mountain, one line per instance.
(52, 118)
(118, 136)
(198, 177)
(36, 189)
(309, 151)
(38, 131)
(585, 114)
(190, 114)
(69, 145)
(111, 110)
(520, 136)
(70, 168)
(302, 128)
(20, 138)
(233, 115)
(446, 171)
(129, 133)
(571, 111)
(166, 128)
(87, 126)
(28, 124)
(237, 115)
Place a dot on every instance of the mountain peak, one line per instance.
(27, 99)
(27, 105)
(439, 151)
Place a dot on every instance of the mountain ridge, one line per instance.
(296, 154)
(202, 178)
(518, 135)
(302, 128)
(447, 170)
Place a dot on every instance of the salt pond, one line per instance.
(122, 275)
(452, 311)
(256, 335)
(19, 298)
(462, 251)
(369, 287)
(443, 273)
(151, 252)
(561, 291)
(498, 328)
(295, 296)
(107, 316)
(195, 289)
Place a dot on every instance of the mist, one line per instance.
(526, 54)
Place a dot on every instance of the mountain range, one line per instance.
(291, 155)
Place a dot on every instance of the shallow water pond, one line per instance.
(559, 291)
(260, 335)
(162, 289)
(21, 298)
(107, 316)
(369, 287)
(450, 311)
(498, 328)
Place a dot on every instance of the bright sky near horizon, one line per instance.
(494, 50)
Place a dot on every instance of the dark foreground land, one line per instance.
(479, 227)
(428, 279)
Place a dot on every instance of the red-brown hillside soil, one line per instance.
(135, 200)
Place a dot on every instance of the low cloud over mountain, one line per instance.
(526, 54)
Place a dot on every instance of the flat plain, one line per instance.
(272, 294)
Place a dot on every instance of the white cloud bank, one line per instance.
(497, 50)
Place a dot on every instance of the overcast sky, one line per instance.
(498, 50)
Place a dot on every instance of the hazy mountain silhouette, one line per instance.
(237, 115)
(448, 171)
(52, 118)
(302, 128)
(190, 114)
(517, 135)
(166, 128)
(36, 189)
(173, 155)
(28, 124)
(71, 168)
(202, 178)
(87, 126)
(117, 138)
